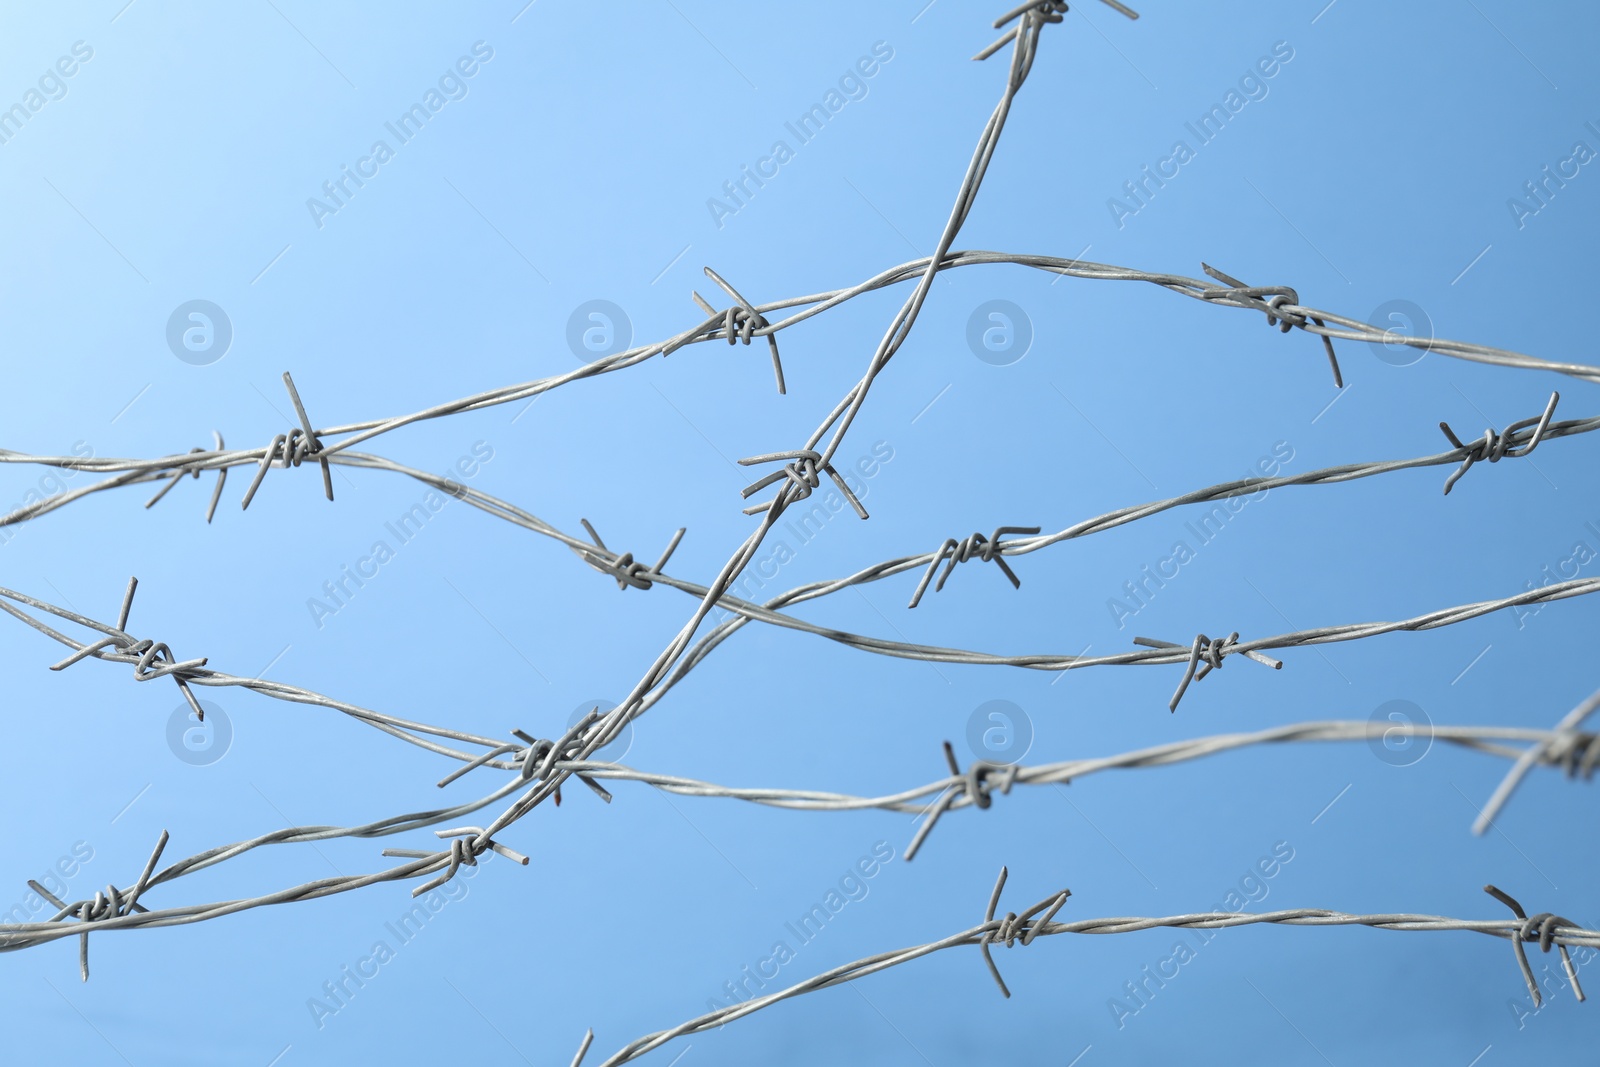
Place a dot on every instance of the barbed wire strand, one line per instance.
(1566, 746)
(972, 788)
(630, 573)
(1545, 929)
(547, 763)
(198, 460)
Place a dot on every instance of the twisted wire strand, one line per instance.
(960, 790)
(1545, 930)
(798, 484)
(196, 461)
(1155, 653)
(616, 564)
(629, 572)
(551, 762)
(1025, 42)
(1576, 752)
(770, 613)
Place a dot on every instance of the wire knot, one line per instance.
(292, 449)
(624, 568)
(1205, 656)
(1577, 753)
(467, 843)
(975, 546)
(975, 785)
(740, 322)
(800, 475)
(1033, 14)
(540, 756)
(1492, 447)
(111, 904)
(150, 659)
(195, 470)
(1539, 928)
(1013, 926)
(1271, 300)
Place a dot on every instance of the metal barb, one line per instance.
(1540, 928)
(1014, 926)
(743, 321)
(1492, 447)
(1281, 297)
(110, 904)
(150, 659)
(974, 785)
(1034, 14)
(800, 476)
(624, 568)
(1205, 656)
(583, 1049)
(974, 546)
(1576, 752)
(195, 471)
(292, 449)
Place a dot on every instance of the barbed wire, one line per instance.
(997, 549)
(1576, 752)
(1205, 653)
(1545, 930)
(541, 766)
(1522, 437)
(197, 461)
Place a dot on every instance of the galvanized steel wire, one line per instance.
(538, 767)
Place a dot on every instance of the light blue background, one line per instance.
(177, 166)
